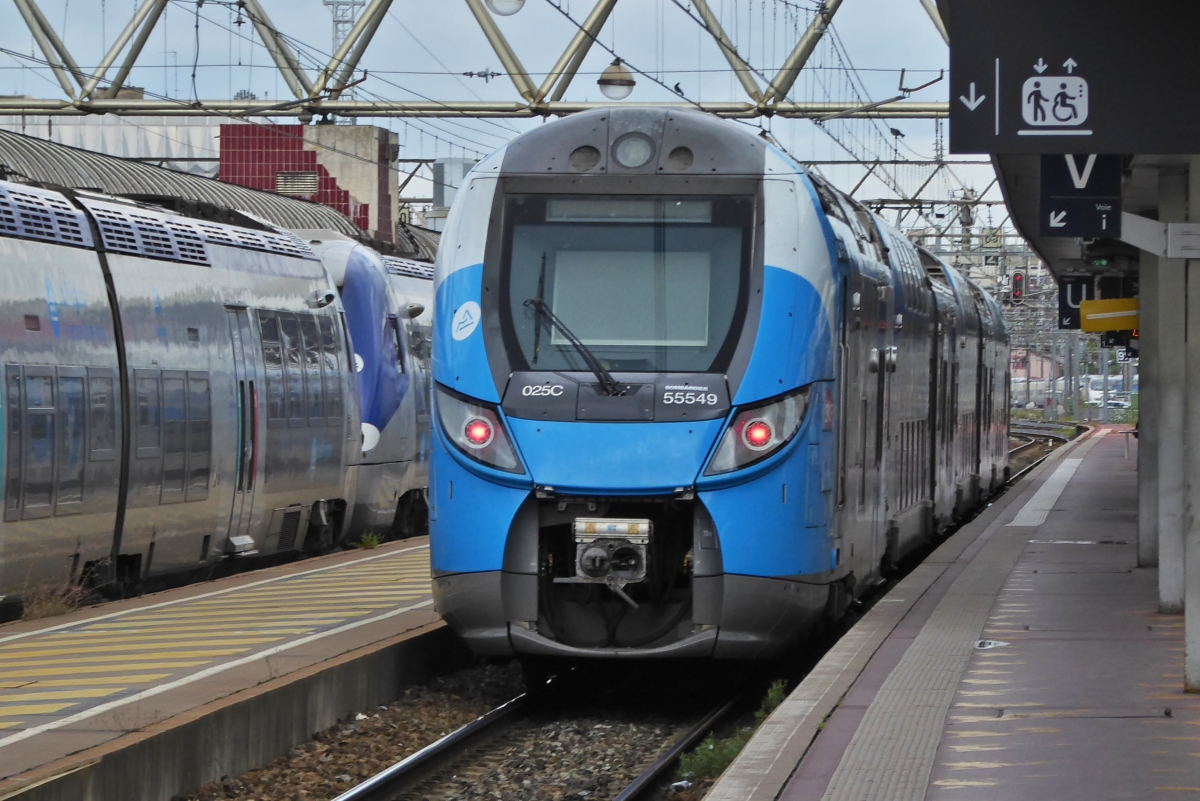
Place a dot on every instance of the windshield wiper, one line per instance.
(608, 384)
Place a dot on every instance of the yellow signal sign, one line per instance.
(1119, 314)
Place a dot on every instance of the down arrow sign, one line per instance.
(974, 102)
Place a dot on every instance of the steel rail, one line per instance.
(1019, 448)
(387, 783)
(644, 783)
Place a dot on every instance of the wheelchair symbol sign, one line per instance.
(1054, 101)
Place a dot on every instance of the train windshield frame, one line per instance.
(649, 284)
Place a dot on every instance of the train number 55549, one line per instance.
(690, 398)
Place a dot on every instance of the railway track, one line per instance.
(1032, 436)
(477, 752)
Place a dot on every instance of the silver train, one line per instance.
(179, 391)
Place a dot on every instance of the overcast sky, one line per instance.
(422, 49)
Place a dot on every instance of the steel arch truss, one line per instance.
(321, 94)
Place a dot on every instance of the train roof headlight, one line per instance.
(759, 431)
(633, 150)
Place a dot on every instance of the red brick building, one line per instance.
(346, 167)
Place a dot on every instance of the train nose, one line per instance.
(641, 458)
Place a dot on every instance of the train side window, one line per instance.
(149, 426)
(312, 370)
(333, 386)
(174, 417)
(289, 329)
(397, 342)
(199, 436)
(39, 442)
(273, 362)
(71, 430)
(12, 484)
(102, 418)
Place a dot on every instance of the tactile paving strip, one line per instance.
(891, 754)
(66, 673)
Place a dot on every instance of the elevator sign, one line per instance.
(1074, 76)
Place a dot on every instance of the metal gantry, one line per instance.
(321, 94)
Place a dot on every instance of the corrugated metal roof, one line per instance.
(416, 243)
(51, 163)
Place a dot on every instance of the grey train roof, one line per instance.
(51, 163)
(717, 147)
(28, 212)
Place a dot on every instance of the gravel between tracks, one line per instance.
(345, 754)
(582, 756)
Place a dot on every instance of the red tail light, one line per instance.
(478, 432)
(757, 432)
(757, 435)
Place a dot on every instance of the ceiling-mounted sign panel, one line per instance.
(1081, 196)
(1074, 76)
(1120, 314)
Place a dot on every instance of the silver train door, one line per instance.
(882, 362)
(247, 383)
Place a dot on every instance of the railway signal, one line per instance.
(1018, 287)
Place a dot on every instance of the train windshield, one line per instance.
(645, 284)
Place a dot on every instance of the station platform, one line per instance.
(1025, 659)
(72, 687)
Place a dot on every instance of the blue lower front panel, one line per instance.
(615, 458)
(469, 516)
(749, 592)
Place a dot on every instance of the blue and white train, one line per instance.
(689, 398)
(180, 391)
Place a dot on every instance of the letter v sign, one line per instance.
(1080, 180)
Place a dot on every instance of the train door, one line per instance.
(247, 384)
(881, 363)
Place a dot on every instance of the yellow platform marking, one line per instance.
(8, 724)
(70, 649)
(980, 733)
(32, 709)
(58, 695)
(977, 765)
(174, 632)
(81, 670)
(100, 660)
(75, 665)
(124, 678)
